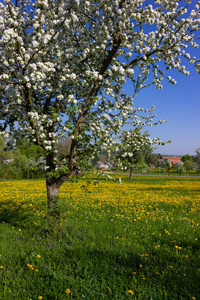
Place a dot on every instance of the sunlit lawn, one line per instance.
(137, 240)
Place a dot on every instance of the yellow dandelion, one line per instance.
(130, 292)
(40, 297)
(1, 267)
(68, 291)
(38, 256)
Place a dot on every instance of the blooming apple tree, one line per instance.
(63, 65)
(134, 144)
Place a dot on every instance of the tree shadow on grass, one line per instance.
(99, 274)
(128, 271)
(108, 274)
(112, 272)
(13, 212)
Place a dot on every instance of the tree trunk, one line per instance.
(131, 173)
(53, 183)
(52, 198)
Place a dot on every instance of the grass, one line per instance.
(160, 172)
(138, 240)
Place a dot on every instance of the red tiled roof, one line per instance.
(173, 159)
(103, 159)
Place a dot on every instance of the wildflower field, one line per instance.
(136, 240)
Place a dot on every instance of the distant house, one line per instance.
(103, 166)
(173, 159)
(7, 161)
(103, 159)
(103, 163)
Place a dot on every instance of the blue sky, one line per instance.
(180, 105)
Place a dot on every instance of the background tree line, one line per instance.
(24, 162)
(27, 161)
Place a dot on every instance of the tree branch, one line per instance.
(46, 105)
(111, 54)
(105, 64)
(28, 107)
(9, 81)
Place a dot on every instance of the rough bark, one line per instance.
(52, 191)
(131, 173)
(52, 197)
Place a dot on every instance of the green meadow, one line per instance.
(136, 240)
